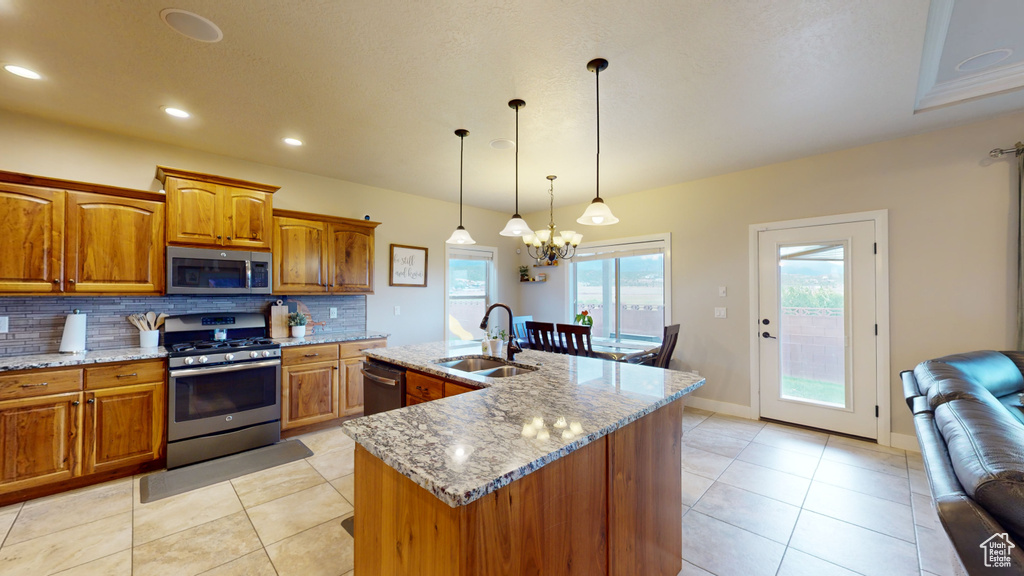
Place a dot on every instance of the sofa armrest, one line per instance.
(966, 523)
(910, 389)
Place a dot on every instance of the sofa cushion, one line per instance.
(993, 370)
(986, 447)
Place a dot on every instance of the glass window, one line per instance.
(470, 289)
(623, 286)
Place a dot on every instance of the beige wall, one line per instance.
(34, 146)
(952, 235)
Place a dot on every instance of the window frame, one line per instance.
(625, 246)
(490, 295)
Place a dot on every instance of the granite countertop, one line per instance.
(33, 361)
(464, 447)
(328, 337)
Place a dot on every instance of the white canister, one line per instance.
(149, 338)
(494, 344)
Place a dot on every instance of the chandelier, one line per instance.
(550, 245)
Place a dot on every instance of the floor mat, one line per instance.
(180, 480)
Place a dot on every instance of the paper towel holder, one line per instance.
(73, 339)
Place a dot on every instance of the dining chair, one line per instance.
(541, 336)
(519, 330)
(668, 345)
(575, 340)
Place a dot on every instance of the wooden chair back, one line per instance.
(668, 345)
(575, 340)
(541, 336)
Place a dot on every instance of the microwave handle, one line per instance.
(248, 273)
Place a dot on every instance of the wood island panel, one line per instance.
(612, 507)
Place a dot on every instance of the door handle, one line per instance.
(767, 335)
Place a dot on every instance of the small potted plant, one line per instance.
(297, 321)
(498, 338)
(584, 319)
(524, 273)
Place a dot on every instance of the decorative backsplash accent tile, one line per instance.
(36, 324)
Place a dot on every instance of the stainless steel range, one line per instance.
(224, 386)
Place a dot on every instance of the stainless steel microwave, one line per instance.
(212, 271)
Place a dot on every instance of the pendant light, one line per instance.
(460, 236)
(516, 225)
(598, 213)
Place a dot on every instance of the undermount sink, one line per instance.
(489, 367)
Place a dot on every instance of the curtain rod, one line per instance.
(1017, 149)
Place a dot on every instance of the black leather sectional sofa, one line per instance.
(970, 424)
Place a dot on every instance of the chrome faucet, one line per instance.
(513, 346)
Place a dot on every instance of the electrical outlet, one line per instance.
(720, 312)
(398, 310)
(722, 291)
(334, 312)
(3, 324)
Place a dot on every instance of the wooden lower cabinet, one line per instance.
(124, 426)
(421, 387)
(66, 428)
(309, 393)
(353, 398)
(39, 440)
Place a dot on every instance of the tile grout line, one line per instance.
(253, 526)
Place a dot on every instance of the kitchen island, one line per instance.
(572, 468)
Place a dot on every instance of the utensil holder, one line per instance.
(149, 338)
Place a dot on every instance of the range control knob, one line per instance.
(266, 353)
(203, 359)
(254, 354)
(229, 357)
(189, 360)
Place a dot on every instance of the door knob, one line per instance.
(767, 335)
(766, 322)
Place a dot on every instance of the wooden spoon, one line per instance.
(160, 319)
(151, 319)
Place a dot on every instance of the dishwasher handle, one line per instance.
(374, 378)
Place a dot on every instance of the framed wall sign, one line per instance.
(408, 266)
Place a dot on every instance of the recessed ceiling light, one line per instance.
(176, 112)
(23, 72)
(984, 60)
(292, 141)
(192, 25)
(502, 143)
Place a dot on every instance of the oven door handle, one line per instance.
(222, 369)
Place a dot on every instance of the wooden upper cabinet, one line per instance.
(114, 245)
(249, 216)
(351, 263)
(300, 256)
(31, 245)
(341, 263)
(208, 210)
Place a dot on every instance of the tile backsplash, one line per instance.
(36, 324)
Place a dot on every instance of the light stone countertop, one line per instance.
(328, 337)
(33, 361)
(464, 447)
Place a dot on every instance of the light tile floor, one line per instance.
(758, 499)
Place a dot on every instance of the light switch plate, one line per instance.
(720, 312)
(3, 325)
(334, 312)
(722, 291)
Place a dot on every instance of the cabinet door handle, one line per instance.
(90, 400)
(218, 237)
(56, 280)
(75, 403)
(127, 375)
(229, 237)
(72, 280)
(39, 385)
(312, 355)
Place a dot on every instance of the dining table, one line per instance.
(623, 350)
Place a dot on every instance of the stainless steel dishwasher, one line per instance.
(383, 387)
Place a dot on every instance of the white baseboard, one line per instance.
(904, 442)
(727, 408)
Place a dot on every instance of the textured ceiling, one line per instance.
(376, 87)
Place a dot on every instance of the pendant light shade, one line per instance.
(598, 213)
(516, 226)
(460, 236)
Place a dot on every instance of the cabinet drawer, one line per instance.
(39, 383)
(295, 355)
(411, 400)
(453, 389)
(123, 374)
(425, 387)
(352, 349)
